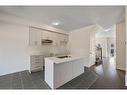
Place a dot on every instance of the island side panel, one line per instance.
(77, 67)
(66, 71)
(62, 73)
(49, 72)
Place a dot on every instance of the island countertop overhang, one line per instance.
(57, 60)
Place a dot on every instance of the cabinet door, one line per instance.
(35, 36)
(63, 39)
(47, 35)
(56, 39)
(52, 36)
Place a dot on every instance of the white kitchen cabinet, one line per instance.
(63, 39)
(51, 36)
(60, 39)
(47, 35)
(57, 38)
(35, 36)
(36, 62)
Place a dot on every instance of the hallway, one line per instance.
(110, 78)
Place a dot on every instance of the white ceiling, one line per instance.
(110, 32)
(70, 17)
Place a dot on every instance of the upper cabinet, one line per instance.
(63, 39)
(37, 35)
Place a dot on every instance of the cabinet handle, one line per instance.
(37, 62)
(37, 66)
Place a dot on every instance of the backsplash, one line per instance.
(47, 50)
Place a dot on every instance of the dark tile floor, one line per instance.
(23, 80)
(102, 76)
(84, 81)
(110, 77)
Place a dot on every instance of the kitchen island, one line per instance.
(60, 70)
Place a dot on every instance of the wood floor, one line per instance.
(110, 78)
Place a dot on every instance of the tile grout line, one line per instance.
(31, 79)
(21, 80)
(11, 81)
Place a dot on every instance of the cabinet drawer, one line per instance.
(36, 62)
(36, 65)
(36, 59)
(37, 56)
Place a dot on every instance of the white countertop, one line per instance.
(62, 60)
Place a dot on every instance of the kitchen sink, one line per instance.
(63, 56)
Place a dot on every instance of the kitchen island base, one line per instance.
(57, 74)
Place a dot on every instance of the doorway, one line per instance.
(106, 44)
(110, 76)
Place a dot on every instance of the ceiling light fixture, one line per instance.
(107, 29)
(55, 23)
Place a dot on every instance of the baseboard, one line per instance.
(11, 72)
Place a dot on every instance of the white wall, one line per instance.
(111, 40)
(14, 44)
(79, 42)
(120, 46)
(14, 54)
(103, 43)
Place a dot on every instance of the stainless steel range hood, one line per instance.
(46, 41)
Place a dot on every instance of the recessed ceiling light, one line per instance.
(55, 23)
(109, 29)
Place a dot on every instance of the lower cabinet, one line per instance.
(36, 63)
